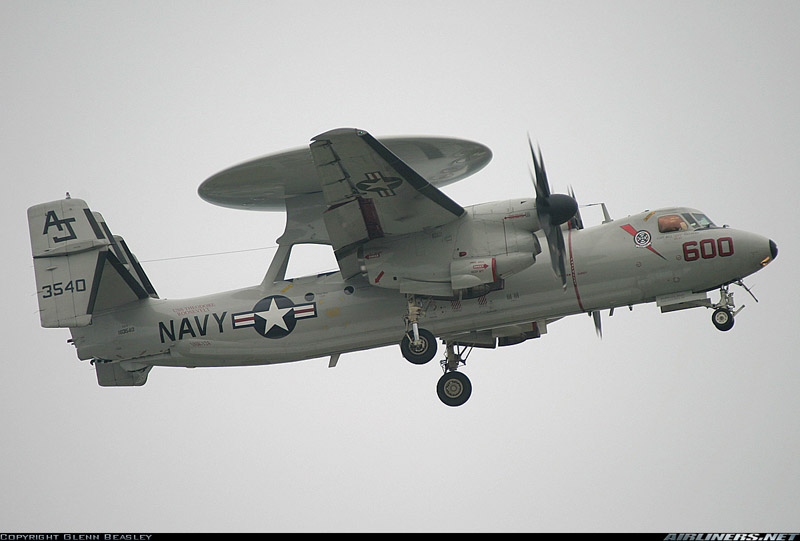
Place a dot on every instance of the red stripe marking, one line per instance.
(378, 279)
(655, 252)
(629, 228)
(572, 270)
(244, 320)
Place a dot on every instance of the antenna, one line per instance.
(606, 216)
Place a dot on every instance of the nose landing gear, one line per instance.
(724, 310)
(722, 319)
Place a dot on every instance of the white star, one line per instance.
(273, 316)
(378, 184)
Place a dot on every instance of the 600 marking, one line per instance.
(708, 249)
(56, 289)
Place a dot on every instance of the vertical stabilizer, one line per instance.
(80, 266)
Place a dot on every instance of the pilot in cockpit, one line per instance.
(684, 222)
(672, 222)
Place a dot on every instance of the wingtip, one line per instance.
(339, 132)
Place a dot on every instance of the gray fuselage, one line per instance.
(620, 263)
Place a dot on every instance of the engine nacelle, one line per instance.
(472, 272)
(463, 257)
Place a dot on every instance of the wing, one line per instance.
(370, 193)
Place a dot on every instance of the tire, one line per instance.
(722, 319)
(454, 388)
(421, 353)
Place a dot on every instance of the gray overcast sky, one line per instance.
(664, 425)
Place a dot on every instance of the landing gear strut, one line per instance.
(418, 345)
(421, 350)
(454, 388)
(723, 316)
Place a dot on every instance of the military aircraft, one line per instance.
(414, 265)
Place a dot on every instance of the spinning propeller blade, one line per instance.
(552, 210)
(597, 325)
(576, 221)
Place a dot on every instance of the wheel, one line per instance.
(422, 352)
(723, 319)
(454, 388)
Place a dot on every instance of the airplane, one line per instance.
(413, 265)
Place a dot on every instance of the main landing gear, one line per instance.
(454, 388)
(419, 347)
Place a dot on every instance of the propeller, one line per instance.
(552, 210)
(598, 327)
(576, 222)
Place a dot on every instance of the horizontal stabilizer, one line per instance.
(113, 375)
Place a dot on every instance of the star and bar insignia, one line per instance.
(274, 316)
(376, 182)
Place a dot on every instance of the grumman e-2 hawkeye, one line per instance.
(414, 265)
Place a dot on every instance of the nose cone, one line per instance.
(773, 249)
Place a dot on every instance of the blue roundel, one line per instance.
(274, 316)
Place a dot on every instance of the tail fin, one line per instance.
(80, 267)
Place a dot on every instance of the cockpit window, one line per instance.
(703, 220)
(671, 222)
(690, 219)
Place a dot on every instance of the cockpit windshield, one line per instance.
(684, 222)
(703, 220)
